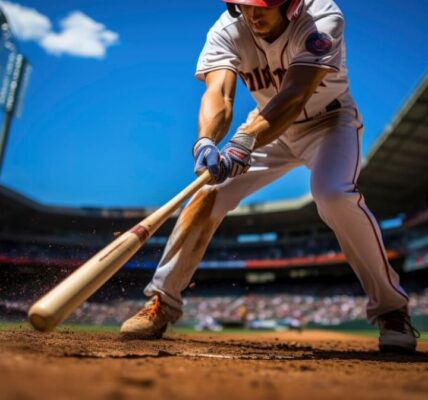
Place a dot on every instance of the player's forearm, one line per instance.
(276, 117)
(299, 84)
(215, 116)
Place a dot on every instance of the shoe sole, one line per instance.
(139, 336)
(396, 349)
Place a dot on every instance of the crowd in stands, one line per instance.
(324, 311)
(42, 253)
(220, 250)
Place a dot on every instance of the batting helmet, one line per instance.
(257, 3)
(290, 8)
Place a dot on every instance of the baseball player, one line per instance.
(290, 54)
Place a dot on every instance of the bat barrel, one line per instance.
(60, 302)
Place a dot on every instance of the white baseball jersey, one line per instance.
(315, 38)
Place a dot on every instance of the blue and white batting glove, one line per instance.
(207, 156)
(236, 155)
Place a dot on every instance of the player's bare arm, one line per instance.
(215, 116)
(215, 113)
(299, 84)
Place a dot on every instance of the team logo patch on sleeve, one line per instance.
(319, 43)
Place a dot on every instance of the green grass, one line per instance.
(360, 332)
(6, 326)
(374, 333)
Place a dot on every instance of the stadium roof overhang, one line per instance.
(395, 177)
(394, 180)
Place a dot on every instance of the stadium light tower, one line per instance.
(14, 75)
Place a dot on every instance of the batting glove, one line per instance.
(236, 155)
(207, 156)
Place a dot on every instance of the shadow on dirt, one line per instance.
(81, 345)
(418, 357)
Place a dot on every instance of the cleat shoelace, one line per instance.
(151, 308)
(397, 321)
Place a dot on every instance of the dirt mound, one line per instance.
(68, 365)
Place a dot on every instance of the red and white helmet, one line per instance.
(293, 8)
(257, 3)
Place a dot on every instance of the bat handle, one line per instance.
(156, 219)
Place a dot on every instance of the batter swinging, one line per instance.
(291, 57)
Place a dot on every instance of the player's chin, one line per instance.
(261, 32)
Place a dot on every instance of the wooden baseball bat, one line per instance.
(64, 298)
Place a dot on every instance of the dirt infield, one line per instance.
(312, 365)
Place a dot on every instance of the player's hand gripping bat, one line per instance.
(63, 299)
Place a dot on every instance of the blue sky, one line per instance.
(112, 123)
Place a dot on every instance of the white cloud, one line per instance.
(80, 35)
(26, 23)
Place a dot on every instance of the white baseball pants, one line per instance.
(329, 145)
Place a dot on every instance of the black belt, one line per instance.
(334, 105)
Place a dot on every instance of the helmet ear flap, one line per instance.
(284, 8)
(233, 10)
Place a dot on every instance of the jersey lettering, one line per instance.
(248, 80)
(256, 73)
(279, 73)
(263, 77)
(267, 76)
